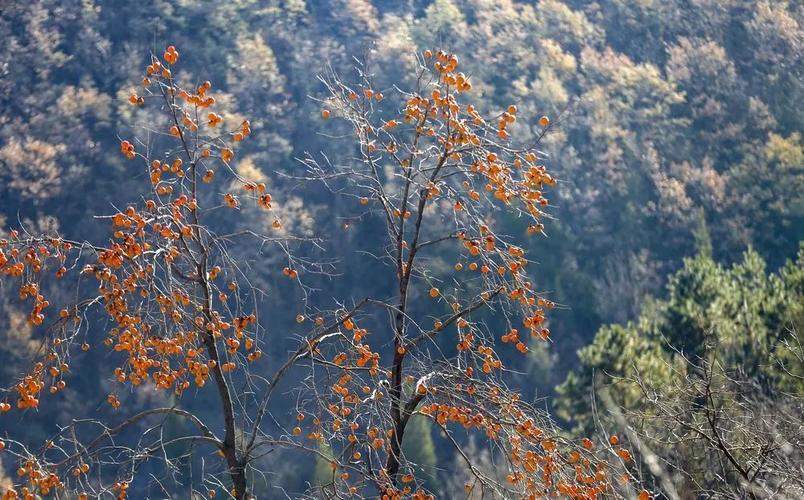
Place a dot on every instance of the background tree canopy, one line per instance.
(713, 364)
(678, 136)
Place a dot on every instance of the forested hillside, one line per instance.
(671, 243)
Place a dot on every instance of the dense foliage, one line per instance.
(711, 379)
(676, 130)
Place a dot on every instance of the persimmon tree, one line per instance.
(443, 178)
(177, 301)
(182, 317)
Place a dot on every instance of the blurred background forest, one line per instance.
(678, 148)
